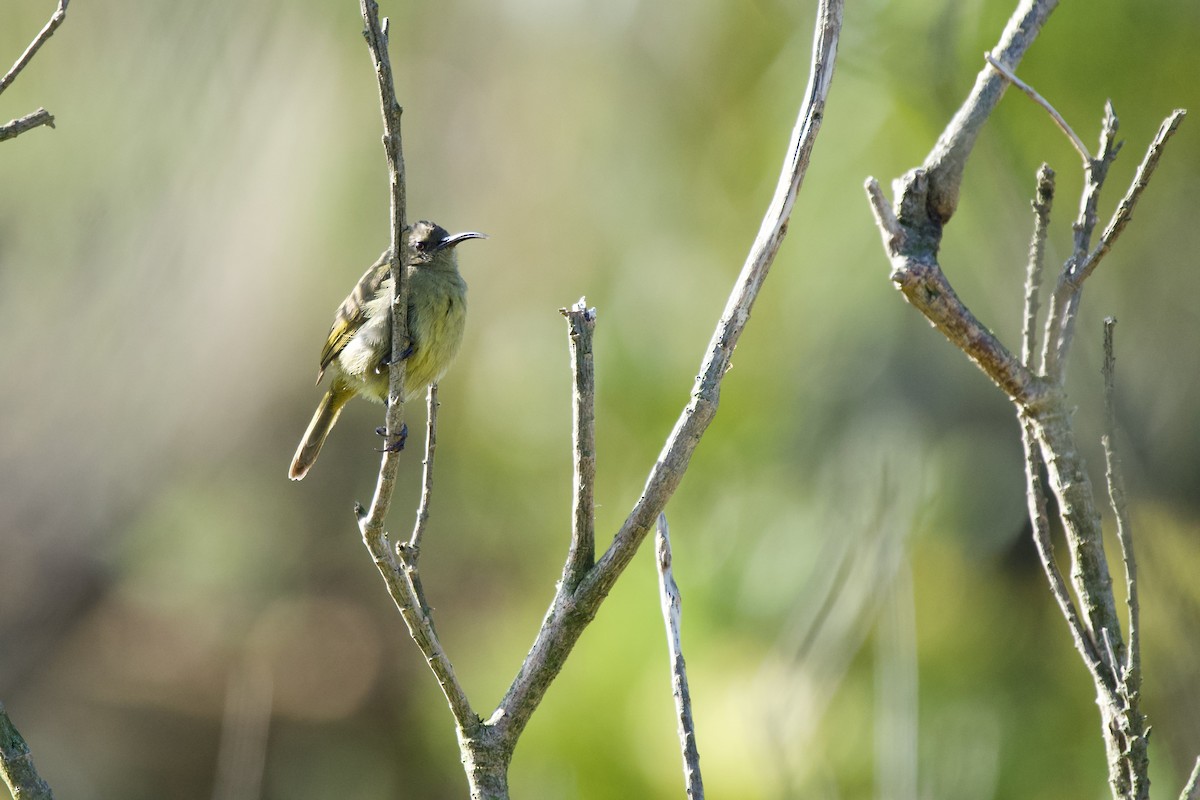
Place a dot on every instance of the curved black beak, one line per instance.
(454, 239)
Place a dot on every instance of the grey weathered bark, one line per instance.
(487, 746)
(912, 233)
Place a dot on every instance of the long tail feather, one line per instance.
(322, 423)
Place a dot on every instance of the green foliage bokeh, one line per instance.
(170, 257)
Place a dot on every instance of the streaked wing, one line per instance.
(350, 315)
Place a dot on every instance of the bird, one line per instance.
(358, 351)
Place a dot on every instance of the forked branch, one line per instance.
(912, 232)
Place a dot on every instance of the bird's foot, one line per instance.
(386, 361)
(401, 440)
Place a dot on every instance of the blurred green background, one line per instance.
(863, 614)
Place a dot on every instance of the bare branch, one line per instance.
(47, 31)
(16, 764)
(1035, 494)
(885, 218)
(414, 542)
(1064, 304)
(1037, 256)
(403, 584)
(399, 568)
(1191, 791)
(570, 613)
(1124, 211)
(1076, 142)
(377, 43)
(946, 161)
(582, 323)
(1116, 497)
(14, 128)
(671, 603)
(912, 236)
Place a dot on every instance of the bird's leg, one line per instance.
(386, 361)
(398, 445)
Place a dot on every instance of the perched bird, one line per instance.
(359, 348)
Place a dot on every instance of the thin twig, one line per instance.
(1116, 497)
(16, 764)
(581, 321)
(569, 614)
(47, 31)
(16, 127)
(1064, 303)
(1035, 495)
(672, 606)
(398, 573)
(414, 541)
(1124, 211)
(377, 43)
(1191, 790)
(1076, 142)
(1042, 204)
(403, 584)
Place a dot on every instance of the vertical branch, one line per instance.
(1042, 204)
(912, 237)
(371, 521)
(570, 613)
(377, 42)
(1035, 494)
(1064, 305)
(397, 568)
(1116, 496)
(414, 542)
(672, 609)
(16, 764)
(581, 321)
(1128, 675)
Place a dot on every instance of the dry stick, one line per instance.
(582, 555)
(402, 580)
(40, 117)
(672, 608)
(1124, 211)
(14, 128)
(1042, 204)
(1078, 144)
(912, 235)
(569, 615)
(1129, 674)
(925, 286)
(47, 31)
(16, 764)
(1116, 496)
(943, 168)
(1035, 495)
(413, 547)
(1191, 790)
(1064, 304)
